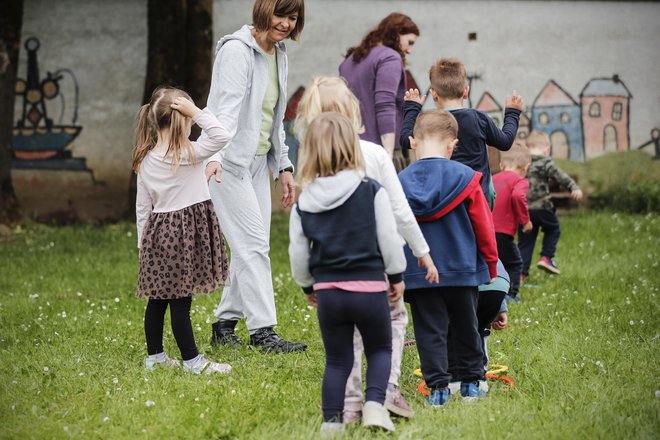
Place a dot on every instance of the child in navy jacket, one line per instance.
(476, 130)
(448, 202)
(343, 242)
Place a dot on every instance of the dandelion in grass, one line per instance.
(149, 403)
(46, 369)
(115, 380)
(106, 419)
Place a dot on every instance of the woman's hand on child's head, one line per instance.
(576, 194)
(527, 227)
(500, 321)
(396, 291)
(432, 275)
(311, 299)
(414, 95)
(514, 101)
(185, 106)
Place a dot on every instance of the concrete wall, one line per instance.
(520, 44)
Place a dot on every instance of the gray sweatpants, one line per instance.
(243, 206)
(353, 393)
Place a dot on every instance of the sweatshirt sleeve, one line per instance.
(229, 83)
(216, 135)
(501, 139)
(299, 252)
(405, 220)
(390, 246)
(143, 208)
(556, 173)
(519, 201)
(484, 230)
(388, 76)
(411, 110)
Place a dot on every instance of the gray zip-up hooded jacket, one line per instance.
(238, 87)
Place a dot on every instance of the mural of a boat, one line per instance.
(37, 141)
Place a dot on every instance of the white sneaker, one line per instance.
(201, 365)
(332, 430)
(160, 360)
(375, 415)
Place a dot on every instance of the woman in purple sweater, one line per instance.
(374, 71)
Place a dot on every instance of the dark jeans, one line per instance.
(510, 256)
(154, 318)
(547, 221)
(488, 306)
(432, 310)
(339, 311)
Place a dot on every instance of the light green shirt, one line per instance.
(268, 107)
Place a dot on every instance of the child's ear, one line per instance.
(466, 92)
(434, 95)
(451, 147)
(413, 143)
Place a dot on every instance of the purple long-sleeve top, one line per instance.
(379, 83)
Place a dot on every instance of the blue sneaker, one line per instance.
(438, 397)
(471, 391)
(511, 299)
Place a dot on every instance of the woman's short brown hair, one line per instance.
(263, 11)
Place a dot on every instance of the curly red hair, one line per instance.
(386, 33)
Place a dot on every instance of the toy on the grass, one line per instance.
(409, 343)
(494, 374)
(497, 369)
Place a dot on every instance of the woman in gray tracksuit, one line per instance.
(248, 92)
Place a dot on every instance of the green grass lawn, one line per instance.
(582, 348)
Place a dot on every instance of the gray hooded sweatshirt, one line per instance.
(238, 87)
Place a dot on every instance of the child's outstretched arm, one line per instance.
(556, 173)
(389, 243)
(412, 107)
(503, 139)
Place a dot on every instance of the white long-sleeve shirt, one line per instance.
(379, 167)
(159, 189)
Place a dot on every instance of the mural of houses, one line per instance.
(605, 116)
(556, 113)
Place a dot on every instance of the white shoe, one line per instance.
(201, 365)
(160, 360)
(332, 430)
(375, 415)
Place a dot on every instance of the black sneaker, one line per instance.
(223, 333)
(266, 339)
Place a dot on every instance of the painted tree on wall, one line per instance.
(180, 53)
(11, 21)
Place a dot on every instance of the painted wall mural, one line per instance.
(579, 130)
(40, 139)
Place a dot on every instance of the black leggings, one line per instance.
(339, 312)
(154, 319)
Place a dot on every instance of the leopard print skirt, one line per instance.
(182, 253)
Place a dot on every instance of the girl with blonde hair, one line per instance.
(182, 252)
(331, 94)
(341, 250)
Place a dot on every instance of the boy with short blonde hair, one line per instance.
(476, 130)
(511, 211)
(453, 214)
(541, 209)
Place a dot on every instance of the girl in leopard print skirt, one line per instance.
(182, 251)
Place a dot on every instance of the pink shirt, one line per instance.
(353, 286)
(159, 189)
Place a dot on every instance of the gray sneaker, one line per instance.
(396, 403)
(201, 365)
